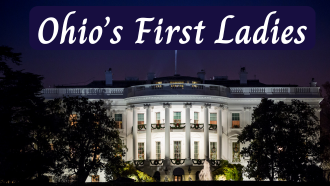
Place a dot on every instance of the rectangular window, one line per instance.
(213, 150)
(140, 119)
(158, 117)
(95, 178)
(235, 120)
(236, 155)
(213, 118)
(119, 121)
(196, 150)
(141, 151)
(158, 151)
(177, 117)
(177, 149)
(195, 117)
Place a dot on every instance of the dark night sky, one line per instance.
(66, 67)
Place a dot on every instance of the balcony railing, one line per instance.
(215, 162)
(177, 125)
(83, 91)
(177, 88)
(177, 161)
(198, 161)
(274, 90)
(158, 126)
(139, 162)
(142, 127)
(212, 126)
(157, 162)
(197, 126)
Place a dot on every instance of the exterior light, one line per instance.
(189, 170)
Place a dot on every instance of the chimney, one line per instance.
(313, 83)
(108, 77)
(243, 76)
(150, 76)
(201, 75)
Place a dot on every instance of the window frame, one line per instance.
(180, 154)
(176, 120)
(216, 150)
(141, 151)
(159, 154)
(216, 118)
(139, 122)
(196, 121)
(236, 121)
(196, 149)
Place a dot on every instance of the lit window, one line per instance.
(236, 155)
(158, 117)
(177, 82)
(158, 150)
(196, 150)
(158, 82)
(213, 118)
(119, 121)
(213, 149)
(177, 117)
(140, 119)
(235, 120)
(177, 149)
(73, 119)
(195, 117)
(141, 151)
(95, 178)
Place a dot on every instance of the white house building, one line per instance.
(172, 124)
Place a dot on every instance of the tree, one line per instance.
(283, 140)
(325, 128)
(126, 170)
(85, 138)
(22, 141)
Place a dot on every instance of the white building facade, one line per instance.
(171, 125)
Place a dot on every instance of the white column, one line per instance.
(167, 132)
(148, 132)
(206, 130)
(219, 133)
(246, 117)
(187, 128)
(135, 150)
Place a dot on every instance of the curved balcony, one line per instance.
(158, 126)
(212, 126)
(177, 161)
(183, 88)
(177, 125)
(198, 161)
(139, 162)
(142, 127)
(157, 162)
(197, 126)
(215, 162)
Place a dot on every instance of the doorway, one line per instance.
(177, 173)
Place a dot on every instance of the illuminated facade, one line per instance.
(172, 124)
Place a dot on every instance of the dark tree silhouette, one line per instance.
(24, 145)
(85, 138)
(325, 130)
(284, 141)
